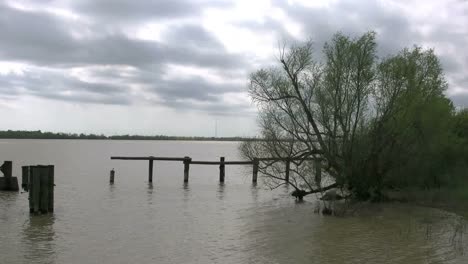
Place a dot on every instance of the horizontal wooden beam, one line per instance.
(285, 159)
(149, 158)
(209, 162)
(219, 163)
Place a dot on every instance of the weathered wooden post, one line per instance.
(8, 182)
(255, 170)
(51, 187)
(7, 170)
(288, 163)
(44, 191)
(41, 188)
(221, 169)
(150, 170)
(34, 193)
(187, 161)
(112, 176)
(25, 178)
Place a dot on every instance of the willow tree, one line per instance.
(341, 110)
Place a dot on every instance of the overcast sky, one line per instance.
(174, 67)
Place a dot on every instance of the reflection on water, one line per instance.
(186, 191)
(202, 221)
(396, 234)
(254, 192)
(221, 188)
(149, 192)
(37, 239)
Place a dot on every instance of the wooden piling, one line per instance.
(150, 171)
(221, 169)
(51, 187)
(187, 161)
(7, 171)
(255, 170)
(34, 194)
(222, 164)
(112, 176)
(41, 189)
(44, 189)
(25, 178)
(8, 182)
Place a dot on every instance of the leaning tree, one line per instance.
(342, 112)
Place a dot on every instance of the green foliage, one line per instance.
(410, 132)
(380, 123)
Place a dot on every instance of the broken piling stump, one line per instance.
(150, 171)
(187, 161)
(112, 176)
(255, 170)
(221, 169)
(8, 182)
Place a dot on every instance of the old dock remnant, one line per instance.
(255, 162)
(187, 161)
(39, 182)
(8, 182)
(150, 160)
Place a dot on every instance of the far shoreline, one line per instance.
(131, 139)
(21, 134)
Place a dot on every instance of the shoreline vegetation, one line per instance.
(38, 134)
(373, 126)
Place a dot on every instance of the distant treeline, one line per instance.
(21, 134)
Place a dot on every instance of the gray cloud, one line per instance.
(395, 30)
(137, 9)
(114, 87)
(29, 35)
(219, 108)
(194, 88)
(353, 18)
(44, 40)
(41, 39)
(460, 99)
(142, 10)
(56, 85)
(193, 36)
(97, 42)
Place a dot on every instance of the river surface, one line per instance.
(202, 221)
